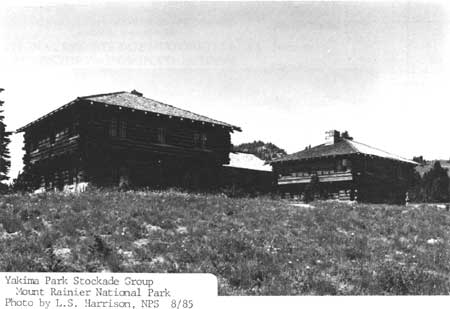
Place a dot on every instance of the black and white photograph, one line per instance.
(287, 148)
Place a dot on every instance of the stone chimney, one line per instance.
(135, 92)
(332, 137)
(345, 135)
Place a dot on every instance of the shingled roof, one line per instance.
(135, 100)
(342, 147)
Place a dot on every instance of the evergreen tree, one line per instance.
(416, 192)
(5, 162)
(419, 159)
(435, 184)
(264, 151)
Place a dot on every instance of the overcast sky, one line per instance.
(284, 72)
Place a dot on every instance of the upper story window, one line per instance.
(197, 139)
(74, 128)
(200, 140)
(113, 124)
(161, 135)
(122, 128)
(33, 145)
(203, 140)
(118, 127)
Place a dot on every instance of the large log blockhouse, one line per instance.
(123, 138)
(345, 169)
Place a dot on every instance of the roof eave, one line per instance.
(22, 129)
(236, 129)
(91, 99)
(281, 160)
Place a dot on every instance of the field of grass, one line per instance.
(255, 246)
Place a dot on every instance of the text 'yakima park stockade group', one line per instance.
(124, 139)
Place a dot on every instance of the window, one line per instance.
(122, 128)
(70, 178)
(347, 164)
(64, 177)
(196, 140)
(118, 127)
(204, 140)
(74, 128)
(200, 140)
(33, 145)
(113, 127)
(161, 135)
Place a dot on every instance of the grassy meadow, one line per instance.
(255, 246)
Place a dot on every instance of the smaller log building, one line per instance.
(125, 139)
(345, 169)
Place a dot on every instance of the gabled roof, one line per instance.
(342, 147)
(248, 161)
(135, 100)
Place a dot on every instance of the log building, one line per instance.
(345, 169)
(123, 138)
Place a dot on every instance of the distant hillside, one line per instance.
(425, 167)
(264, 151)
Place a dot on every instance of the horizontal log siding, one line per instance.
(54, 136)
(46, 150)
(142, 134)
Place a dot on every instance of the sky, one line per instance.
(285, 72)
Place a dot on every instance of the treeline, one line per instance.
(432, 187)
(5, 162)
(264, 151)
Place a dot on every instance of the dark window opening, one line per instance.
(113, 127)
(122, 128)
(73, 129)
(118, 127)
(200, 140)
(161, 135)
(204, 140)
(33, 145)
(196, 139)
(70, 176)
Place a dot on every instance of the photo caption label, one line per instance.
(107, 290)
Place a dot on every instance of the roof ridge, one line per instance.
(185, 110)
(175, 107)
(101, 94)
(352, 146)
(379, 149)
(384, 151)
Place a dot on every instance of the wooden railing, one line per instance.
(330, 177)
